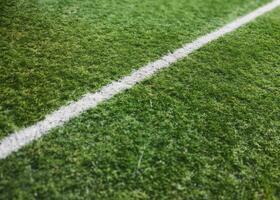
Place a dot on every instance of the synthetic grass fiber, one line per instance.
(208, 128)
(53, 52)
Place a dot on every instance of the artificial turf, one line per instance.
(54, 51)
(207, 128)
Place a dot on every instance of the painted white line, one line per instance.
(17, 140)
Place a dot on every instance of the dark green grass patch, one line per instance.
(55, 51)
(207, 128)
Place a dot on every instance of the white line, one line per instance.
(25, 136)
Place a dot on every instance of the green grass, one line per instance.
(54, 51)
(207, 128)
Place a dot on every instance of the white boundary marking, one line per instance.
(17, 140)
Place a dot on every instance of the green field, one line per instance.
(66, 48)
(206, 128)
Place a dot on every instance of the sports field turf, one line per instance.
(206, 128)
(64, 49)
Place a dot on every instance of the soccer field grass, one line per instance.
(67, 48)
(206, 128)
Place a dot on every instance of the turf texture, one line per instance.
(207, 128)
(53, 52)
